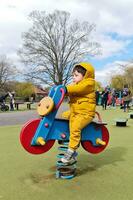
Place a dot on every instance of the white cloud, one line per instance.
(109, 16)
(110, 46)
(104, 75)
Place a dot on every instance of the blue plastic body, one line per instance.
(57, 127)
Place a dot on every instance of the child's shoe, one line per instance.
(75, 155)
(69, 156)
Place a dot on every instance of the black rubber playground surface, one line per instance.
(105, 176)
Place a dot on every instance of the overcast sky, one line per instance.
(113, 19)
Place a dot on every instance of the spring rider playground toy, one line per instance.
(38, 135)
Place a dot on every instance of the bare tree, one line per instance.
(54, 44)
(129, 76)
(126, 78)
(7, 71)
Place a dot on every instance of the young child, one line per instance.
(82, 106)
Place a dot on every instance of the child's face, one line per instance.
(77, 77)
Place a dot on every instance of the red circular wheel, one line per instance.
(26, 135)
(88, 146)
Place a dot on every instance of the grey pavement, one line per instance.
(15, 118)
(21, 117)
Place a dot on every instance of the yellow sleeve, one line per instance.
(82, 88)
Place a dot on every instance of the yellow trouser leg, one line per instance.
(76, 124)
(66, 114)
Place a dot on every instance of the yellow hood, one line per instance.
(82, 95)
(90, 72)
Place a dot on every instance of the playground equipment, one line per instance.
(38, 135)
(131, 115)
(121, 121)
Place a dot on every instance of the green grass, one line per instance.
(106, 176)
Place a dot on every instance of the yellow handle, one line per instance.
(101, 142)
(41, 141)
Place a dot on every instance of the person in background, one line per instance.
(97, 97)
(3, 98)
(127, 97)
(113, 98)
(12, 101)
(109, 102)
(104, 98)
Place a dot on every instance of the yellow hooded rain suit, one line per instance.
(82, 105)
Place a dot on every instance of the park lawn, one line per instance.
(105, 176)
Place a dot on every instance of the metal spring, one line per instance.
(64, 171)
